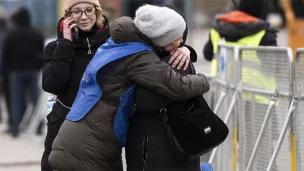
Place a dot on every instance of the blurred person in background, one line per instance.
(65, 60)
(5, 25)
(243, 26)
(5, 86)
(21, 54)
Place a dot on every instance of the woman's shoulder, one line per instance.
(50, 47)
(52, 44)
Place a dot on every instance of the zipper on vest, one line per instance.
(89, 46)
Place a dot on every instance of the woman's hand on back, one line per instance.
(180, 58)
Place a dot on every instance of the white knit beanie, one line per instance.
(161, 24)
(70, 3)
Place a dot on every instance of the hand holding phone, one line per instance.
(69, 25)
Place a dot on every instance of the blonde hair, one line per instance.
(98, 12)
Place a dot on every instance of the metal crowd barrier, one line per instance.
(266, 77)
(225, 83)
(254, 94)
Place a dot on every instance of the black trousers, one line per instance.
(147, 147)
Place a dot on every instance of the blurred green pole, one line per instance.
(125, 7)
(188, 9)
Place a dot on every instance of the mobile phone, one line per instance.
(75, 30)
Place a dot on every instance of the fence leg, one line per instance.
(30, 112)
(38, 114)
(234, 147)
(27, 116)
(220, 101)
(272, 102)
(282, 135)
(228, 116)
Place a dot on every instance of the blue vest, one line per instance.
(90, 92)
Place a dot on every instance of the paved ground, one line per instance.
(24, 153)
(19, 154)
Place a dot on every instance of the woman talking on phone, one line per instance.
(80, 32)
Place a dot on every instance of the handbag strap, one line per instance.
(163, 111)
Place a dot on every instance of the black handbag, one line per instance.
(194, 132)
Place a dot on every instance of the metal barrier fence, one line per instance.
(258, 84)
(266, 77)
(225, 83)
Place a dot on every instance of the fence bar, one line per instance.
(228, 115)
(265, 92)
(225, 84)
(272, 102)
(38, 114)
(282, 135)
(220, 101)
